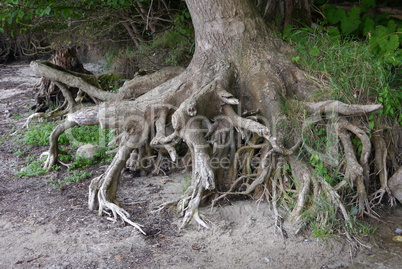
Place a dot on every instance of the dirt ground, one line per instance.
(42, 227)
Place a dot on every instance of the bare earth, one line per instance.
(41, 227)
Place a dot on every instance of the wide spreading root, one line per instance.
(239, 154)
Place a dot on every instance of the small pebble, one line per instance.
(127, 200)
(122, 233)
(267, 260)
(397, 238)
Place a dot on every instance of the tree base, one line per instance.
(232, 107)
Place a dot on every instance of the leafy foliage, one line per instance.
(40, 136)
(111, 81)
(178, 40)
(384, 33)
(39, 23)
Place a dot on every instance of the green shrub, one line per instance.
(384, 33)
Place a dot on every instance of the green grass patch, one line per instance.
(347, 65)
(75, 176)
(33, 168)
(39, 135)
(353, 71)
(68, 142)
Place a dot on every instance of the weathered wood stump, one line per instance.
(47, 91)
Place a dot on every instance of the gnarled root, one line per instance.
(53, 152)
(201, 110)
(103, 189)
(380, 164)
(304, 175)
(203, 176)
(85, 116)
(101, 197)
(191, 211)
(356, 172)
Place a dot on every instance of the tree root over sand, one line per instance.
(227, 107)
(207, 122)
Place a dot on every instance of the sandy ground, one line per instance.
(41, 227)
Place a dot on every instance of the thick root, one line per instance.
(331, 106)
(303, 174)
(380, 164)
(191, 211)
(103, 189)
(73, 79)
(98, 199)
(53, 152)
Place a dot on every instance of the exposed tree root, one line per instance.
(62, 77)
(103, 189)
(53, 153)
(226, 107)
(331, 106)
(190, 123)
(380, 164)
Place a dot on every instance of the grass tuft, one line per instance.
(39, 135)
